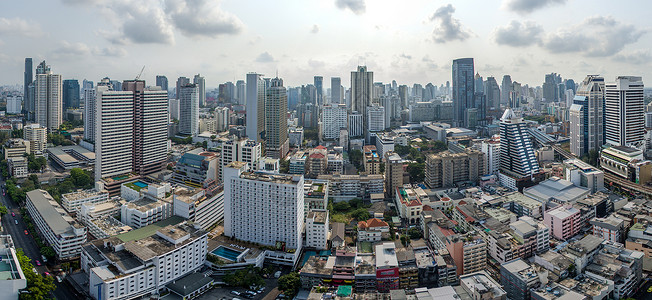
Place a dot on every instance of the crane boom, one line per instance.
(141, 72)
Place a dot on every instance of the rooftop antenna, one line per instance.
(141, 73)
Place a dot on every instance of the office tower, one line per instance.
(480, 110)
(37, 137)
(294, 95)
(517, 158)
(201, 87)
(587, 116)
(240, 149)
(551, 87)
(570, 85)
(240, 91)
(319, 86)
(479, 83)
(70, 93)
(277, 144)
(181, 81)
(162, 81)
(14, 104)
(403, 95)
(375, 118)
(188, 109)
(624, 112)
(333, 119)
(27, 81)
(278, 219)
(463, 89)
(356, 128)
(492, 91)
(505, 88)
(336, 91)
(417, 92)
(90, 107)
(47, 92)
(255, 107)
(130, 129)
(362, 83)
(87, 84)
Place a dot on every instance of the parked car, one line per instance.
(38, 263)
(13, 214)
(277, 274)
(235, 293)
(26, 233)
(16, 221)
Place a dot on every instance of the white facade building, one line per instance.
(48, 93)
(255, 106)
(72, 202)
(333, 118)
(195, 206)
(37, 136)
(624, 112)
(317, 229)
(376, 118)
(261, 208)
(237, 149)
(114, 120)
(143, 212)
(89, 114)
(356, 126)
(491, 150)
(61, 231)
(14, 104)
(13, 279)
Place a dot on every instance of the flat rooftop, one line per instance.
(149, 230)
(53, 214)
(84, 194)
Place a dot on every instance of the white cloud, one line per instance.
(265, 57)
(358, 7)
(637, 57)
(314, 29)
(447, 28)
(528, 6)
(202, 18)
(19, 27)
(518, 34)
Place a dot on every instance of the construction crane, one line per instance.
(141, 73)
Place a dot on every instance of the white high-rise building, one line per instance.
(375, 118)
(188, 109)
(356, 128)
(89, 114)
(624, 112)
(362, 84)
(240, 88)
(240, 149)
(255, 107)
(222, 118)
(37, 136)
(263, 208)
(14, 104)
(201, 89)
(174, 109)
(48, 98)
(586, 116)
(277, 143)
(114, 122)
(333, 118)
(491, 150)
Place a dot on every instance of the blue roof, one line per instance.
(191, 160)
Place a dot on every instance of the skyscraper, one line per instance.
(162, 81)
(505, 88)
(188, 109)
(492, 91)
(362, 83)
(27, 81)
(624, 112)
(336, 91)
(130, 129)
(551, 87)
(586, 116)
(70, 93)
(319, 86)
(90, 107)
(240, 91)
(48, 95)
(517, 160)
(463, 89)
(181, 81)
(276, 127)
(255, 107)
(201, 87)
(479, 83)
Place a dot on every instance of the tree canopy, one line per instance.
(38, 286)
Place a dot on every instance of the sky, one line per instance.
(410, 41)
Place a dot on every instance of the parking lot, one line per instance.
(224, 293)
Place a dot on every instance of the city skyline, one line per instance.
(411, 43)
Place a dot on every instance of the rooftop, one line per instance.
(83, 194)
(57, 219)
(189, 283)
(558, 189)
(319, 216)
(386, 255)
(149, 230)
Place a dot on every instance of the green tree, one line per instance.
(3, 210)
(285, 166)
(416, 171)
(289, 284)
(342, 206)
(38, 287)
(355, 156)
(361, 214)
(402, 150)
(48, 252)
(80, 178)
(415, 233)
(405, 240)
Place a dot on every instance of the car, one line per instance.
(13, 214)
(59, 279)
(260, 290)
(16, 221)
(46, 274)
(235, 293)
(26, 232)
(38, 263)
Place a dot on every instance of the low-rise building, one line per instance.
(610, 228)
(105, 227)
(347, 187)
(371, 160)
(584, 175)
(17, 167)
(620, 266)
(197, 206)
(564, 221)
(62, 232)
(315, 194)
(480, 285)
(16, 148)
(145, 211)
(556, 190)
(72, 202)
(408, 204)
(387, 273)
(522, 205)
(372, 230)
(627, 163)
(518, 278)
(317, 229)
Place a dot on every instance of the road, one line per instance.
(27, 243)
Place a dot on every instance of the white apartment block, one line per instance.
(376, 118)
(491, 150)
(105, 227)
(17, 167)
(48, 102)
(91, 211)
(89, 114)
(189, 109)
(262, 208)
(13, 278)
(37, 136)
(333, 119)
(130, 269)
(62, 232)
(114, 124)
(317, 229)
(194, 205)
(347, 187)
(72, 202)
(244, 150)
(14, 104)
(145, 211)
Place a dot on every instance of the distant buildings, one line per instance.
(463, 90)
(333, 119)
(70, 94)
(276, 127)
(48, 98)
(587, 116)
(201, 89)
(362, 83)
(255, 107)
(446, 169)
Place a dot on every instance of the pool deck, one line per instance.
(214, 243)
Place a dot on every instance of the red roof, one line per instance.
(320, 147)
(317, 155)
(371, 223)
(462, 202)
(427, 208)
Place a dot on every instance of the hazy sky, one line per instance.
(412, 41)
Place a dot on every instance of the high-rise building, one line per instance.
(181, 81)
(242, 150)
(446, 169)
(240, 91)
(463, 89)
(130, 130)
(518, 279)
(48, 96)
(14, 104)
(362, 83)
(393, 173)
(333, 118)
(70, 93)
(479, 83)
(492, 92)
(188, 109)
(255, 107)
(376, 118)
(336, 91)
(505, 88)
(37, 137)
(356, 127)
(586, 116)
(517, 158)
(278, 222)
(403, 95)
(201, 87)
(277, 144)
(27, 81)
(551, 87)
(162, 81)
(319, 86)
(624, 112)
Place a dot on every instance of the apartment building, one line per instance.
(72, 202)
(317, 229)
